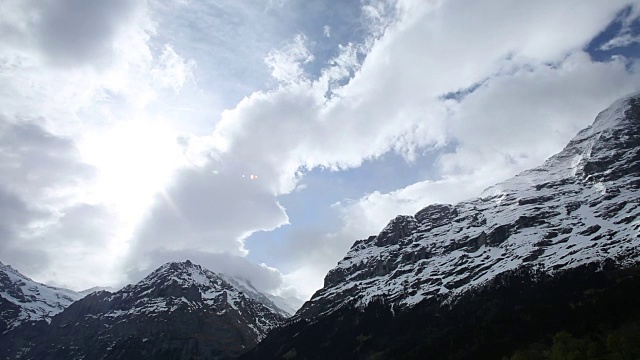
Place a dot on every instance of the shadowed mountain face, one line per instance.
(564, 219)
(180, 311)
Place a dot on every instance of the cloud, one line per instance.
(67, 32)
(209, 208)
(38, 165)
(629, 29)
(286, 64)
(15, 215)
(393, 102)
(45, 229)
(74, 71)
(172, 70)
(326, 30)
(72, 32)
(524, 117)
(78, 81)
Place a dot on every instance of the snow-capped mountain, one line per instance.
(24, 300)
(180, 310)
(575, 217)
(580, 206)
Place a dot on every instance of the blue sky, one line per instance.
(263, 137)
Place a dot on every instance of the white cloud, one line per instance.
(625, 36)
(286, 64)
(47, 230)
(393, 102)
(172, 71)
(622, 40)
(326, 31)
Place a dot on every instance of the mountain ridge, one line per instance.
(180, 310)
(579, 210)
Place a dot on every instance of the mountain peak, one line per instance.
(196, 283)
(184, 272)
(180, 307)
(605, 150)
(622, 112)
(10, 269)
(177, 266)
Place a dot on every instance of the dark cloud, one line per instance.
(15, 215)
(73, 32)
(33, 160)
(38, 223)
(83, 226)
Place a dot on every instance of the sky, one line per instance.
(261, 138)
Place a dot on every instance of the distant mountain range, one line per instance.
(544, 265)
(180, 311)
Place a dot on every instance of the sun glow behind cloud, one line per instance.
(135, 161)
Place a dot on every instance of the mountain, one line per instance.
(180, 311)
(289, 304)
(23, 300)
(443, 282)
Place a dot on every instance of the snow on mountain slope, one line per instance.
(581, 206)
(195, 286)
(26, 300)
(289, 304)
(267, 300)
(180, 310)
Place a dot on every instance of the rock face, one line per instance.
(578, 209)
(180, 311)
(23, 300)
